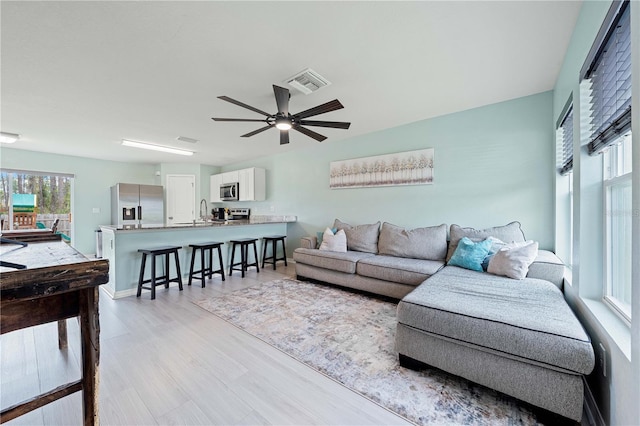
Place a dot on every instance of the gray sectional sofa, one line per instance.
(516, 336)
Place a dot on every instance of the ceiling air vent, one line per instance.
(307, 81)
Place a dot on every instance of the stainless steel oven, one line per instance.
(229, 191)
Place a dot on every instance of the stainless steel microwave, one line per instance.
(229, 191)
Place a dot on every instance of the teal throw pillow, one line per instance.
(469, 255)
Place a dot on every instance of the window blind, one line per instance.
(608, 79)
(566, 146)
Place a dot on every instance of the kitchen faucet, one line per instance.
(206, 209)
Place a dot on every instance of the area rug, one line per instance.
(350, 338)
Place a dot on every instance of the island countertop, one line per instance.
(254, 220)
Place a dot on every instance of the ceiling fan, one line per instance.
(284, 121)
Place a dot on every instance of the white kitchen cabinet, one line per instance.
(230, 177)
(252, 184)
(109, 252)
(214, 188)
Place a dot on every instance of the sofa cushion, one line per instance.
(398, 269)
(510, 233)
(419, 243)
(547, 266)
(528, 319)
(341, 262)
(362, 237)
(513, 260)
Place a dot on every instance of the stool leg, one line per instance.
(166, 270)
(210, 250)
(233, 254)
(144, 261)
(284, 252)
(202, 265)
(274, 249)
(177, 269)
(243, 258)
(220, 260)
(193, 258)
(255, 255)
(264, 251)
(153, 276)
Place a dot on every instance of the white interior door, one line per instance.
(181, 199)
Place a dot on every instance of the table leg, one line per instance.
(62, 334)
(90, 336)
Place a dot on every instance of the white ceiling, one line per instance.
(77, 77)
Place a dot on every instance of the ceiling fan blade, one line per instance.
(284, 137)
(238, 119)
(255, 132)
(333, 124)
(310, 133)
(282, 99)
(243, 105)
(320, 109)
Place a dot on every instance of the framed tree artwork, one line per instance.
(402, 168)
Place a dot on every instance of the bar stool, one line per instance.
(204, 269)
(164, 279)
(244, 244)
(273, 239)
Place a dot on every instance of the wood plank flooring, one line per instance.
(169, 362)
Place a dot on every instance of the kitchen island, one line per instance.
(120, 245)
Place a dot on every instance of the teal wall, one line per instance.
(613, 387)
(92, 183)
(493, 165)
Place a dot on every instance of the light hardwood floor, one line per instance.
(168, 361)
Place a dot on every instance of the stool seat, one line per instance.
(205, 271)
(164, 279)
(244, 244)
(273, 239)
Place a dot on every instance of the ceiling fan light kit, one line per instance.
(284, 121)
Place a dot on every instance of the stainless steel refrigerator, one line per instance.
(134, 205)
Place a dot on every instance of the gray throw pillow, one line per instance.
(509, 233)
(513, 260)
(362, 238)
(428, 243)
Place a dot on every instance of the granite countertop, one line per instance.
(254, 220)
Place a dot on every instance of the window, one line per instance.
(31, 200)
(618, 211)
(606, 84)
(564, 162)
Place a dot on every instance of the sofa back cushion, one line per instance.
(428, 243)
(362, 238)
(510, 233)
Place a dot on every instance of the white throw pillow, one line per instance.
(513, 260)
(331, 242)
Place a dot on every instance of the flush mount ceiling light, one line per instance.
(8, 137)
(152, 147)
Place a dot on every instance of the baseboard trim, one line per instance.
(591, 411)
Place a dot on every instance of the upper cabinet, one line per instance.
(230, 177)
(251, 182)
(214, 185)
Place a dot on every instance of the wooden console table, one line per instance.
(57, 283)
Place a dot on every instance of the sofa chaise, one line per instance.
(516, 336)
